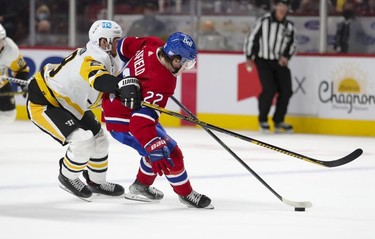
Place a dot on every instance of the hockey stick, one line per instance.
(334, 163)
(16, 80)
(288, 202)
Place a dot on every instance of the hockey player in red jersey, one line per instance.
(152, 67)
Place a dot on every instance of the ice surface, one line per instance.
(33, 206)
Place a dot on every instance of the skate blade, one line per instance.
(103, 196)
(139, 198)
(84, 199)
(264, 131)
(210, 207)
(283, 131)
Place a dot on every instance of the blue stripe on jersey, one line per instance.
(116, 122)
(180, 178)
(119, 51)
(145, 167)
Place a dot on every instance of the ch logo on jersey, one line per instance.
(107, 25)
(69, 122)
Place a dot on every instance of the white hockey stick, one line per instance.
(16, 80)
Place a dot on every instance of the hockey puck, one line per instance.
(299, 209)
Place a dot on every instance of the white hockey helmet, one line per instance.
(104, 29)
(3, 33)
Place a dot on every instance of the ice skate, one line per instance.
(264, 127)
(104, 189)
(144, 193)
(283, 128)
(197, 200)
(75, 187)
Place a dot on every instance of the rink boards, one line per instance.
(332, 94)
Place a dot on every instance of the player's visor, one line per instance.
(187, 64)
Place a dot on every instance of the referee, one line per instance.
(270, 45)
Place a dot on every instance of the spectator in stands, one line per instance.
(43, 34)
(338, 4)
(371, 6)
(43, 26)
(308, 7)
(210, 38)
(342, 36)
(360, 6)
(8, 16)
(261, 7)
(42, 13)
(294, 5)
(265, 5)
(149, 25)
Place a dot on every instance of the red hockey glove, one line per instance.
(159, 156)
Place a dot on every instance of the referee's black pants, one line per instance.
(274, 79)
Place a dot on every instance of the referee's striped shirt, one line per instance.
(270, 39)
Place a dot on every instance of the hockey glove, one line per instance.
(22, 77)
(130, 92)
(25, 90)
(159, 155)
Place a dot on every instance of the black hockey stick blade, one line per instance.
(344, 160)
(333, 163)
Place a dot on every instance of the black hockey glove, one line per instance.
(24, 86)
(25, 90)
(130, 92)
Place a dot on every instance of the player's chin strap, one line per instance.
(16, 80)
(333, 163)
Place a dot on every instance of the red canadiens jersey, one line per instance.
(157, 85)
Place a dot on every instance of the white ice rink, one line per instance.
(33, 206)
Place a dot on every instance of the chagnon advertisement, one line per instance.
(324, 87)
